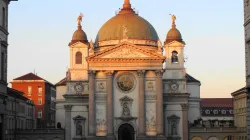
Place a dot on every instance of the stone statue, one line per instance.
(79, 19)
(174, 128)
(159, 45)
(126, 111)
(78, 128)
(91, 44)
(173, 18)
(174, 58)
(125, 32)
(68, 76)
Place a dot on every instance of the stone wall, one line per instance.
(41, 134)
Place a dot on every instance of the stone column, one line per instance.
(159, 104)
(185, 121)
(68, 121)
(109, 107)
(141, 103)
(92, 118)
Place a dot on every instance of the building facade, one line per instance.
(247, 58)
(117, 87)
(216, 121)
(240, 100)
(20, 114)
(42, 93)
(3, 62)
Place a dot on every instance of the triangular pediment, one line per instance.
(126, 51)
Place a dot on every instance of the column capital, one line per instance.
(68, 107)
(141, 73)
(91, 72)
(159, 73)
(184, 107)
(109, 72)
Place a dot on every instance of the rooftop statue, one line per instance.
(79, 19)
(173, 18)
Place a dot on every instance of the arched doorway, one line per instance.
(126, 132)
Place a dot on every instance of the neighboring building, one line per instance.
(216, 121)
(43, 93)
(240, 100)
(20, 113)
(247, 58)
(4, 8)
(217, 109)
(118, 88)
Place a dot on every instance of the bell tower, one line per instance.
(79, 50)
(174, 53)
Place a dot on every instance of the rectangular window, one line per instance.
(4, 17)
(2, 66)
(39, 114)
(40, 101)
(29, 90)
(40, 90)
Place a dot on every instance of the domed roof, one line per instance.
(79, 35)
(173, 35)
(127, 23)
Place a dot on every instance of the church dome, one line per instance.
(79, 36)
(173, 35)
(136, 27)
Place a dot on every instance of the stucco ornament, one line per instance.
(150, 86)
(126, 82)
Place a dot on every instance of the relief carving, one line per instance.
(150, 86)
(101, 86)
(151, 119)
(125, 53)
(101, 123)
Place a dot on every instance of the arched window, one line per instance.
(174, 58)
(58, 125)
(78, 58)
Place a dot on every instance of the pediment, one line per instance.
(173, 117)
(126, 51)
(79, 118)
(126, 99)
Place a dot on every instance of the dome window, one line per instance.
(174, 58)
(78, 58)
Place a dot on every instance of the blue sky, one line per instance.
(40, 31)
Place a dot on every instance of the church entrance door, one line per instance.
(126, 132)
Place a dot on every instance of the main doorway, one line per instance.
(126, 132)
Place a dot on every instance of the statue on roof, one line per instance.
(173, 18)
(79, 19)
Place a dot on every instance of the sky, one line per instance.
(40, 31)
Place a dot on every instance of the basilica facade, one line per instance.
(118, 88)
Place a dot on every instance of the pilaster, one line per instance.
(110, 108)
(92, 117)
(68, 121)
(185, 121)
(141, 103)
(159, 104)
